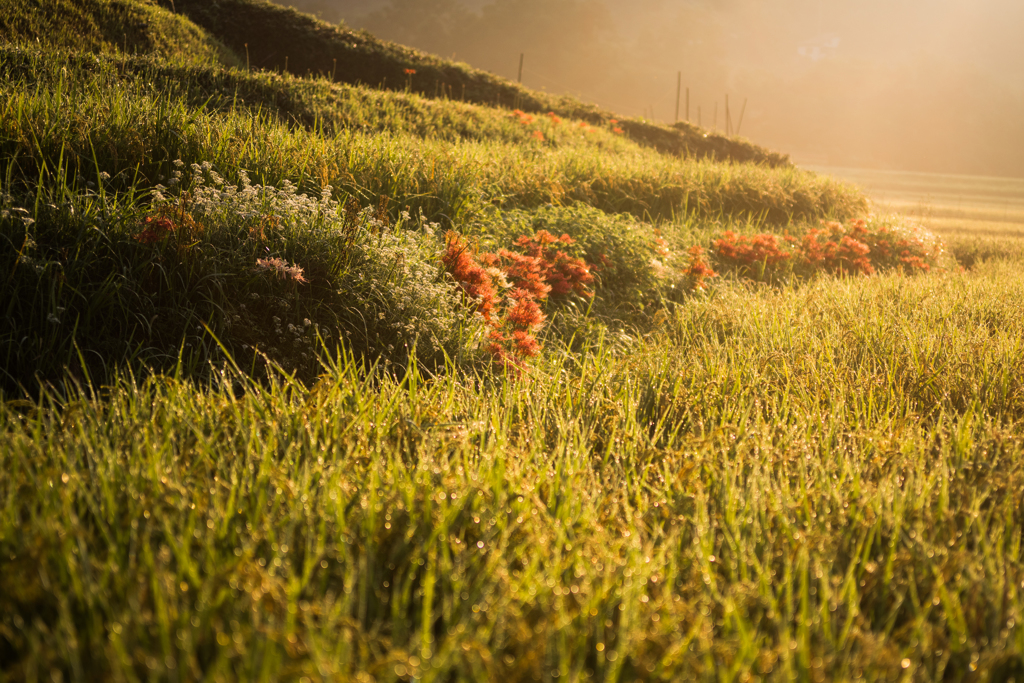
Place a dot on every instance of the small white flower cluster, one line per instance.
(28, 246)
(214, 200)
(412, 301)
(18, 213)
(392, 276)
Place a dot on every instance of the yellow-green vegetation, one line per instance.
(110, 26)
(251, 428)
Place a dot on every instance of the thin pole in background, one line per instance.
(521, 57)
(679, 89)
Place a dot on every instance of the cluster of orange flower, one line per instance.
(845, 255)
(554, 119)
(523, 117)
(698, 269)
(892, 248)
(743, 250)
(509, 286)
(834, 248)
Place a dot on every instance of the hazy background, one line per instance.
(925, 85)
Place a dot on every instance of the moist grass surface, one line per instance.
(252, 429)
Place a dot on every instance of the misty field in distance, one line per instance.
(949, 205)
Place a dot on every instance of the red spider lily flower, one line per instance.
(536, 268)
(496, 345)
(410, 72)
(746, 251)
(282, 269)
(474, 280)
(561, 272)
(698, 270)
(525, 344)
(524, 313)
(155, 228)
(526, 272)
(848, 255)
(860, 248)
(524, 118)
(617, 130)
(538, 135)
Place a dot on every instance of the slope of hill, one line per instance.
(281, 38)
(130, 26)
(135, 122)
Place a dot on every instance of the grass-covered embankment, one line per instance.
(253, 427)
(86, 145)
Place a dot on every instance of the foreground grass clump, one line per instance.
(820, 483)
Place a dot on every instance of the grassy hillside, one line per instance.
(279, 38)
(308, 380)
(128, 26)
(84, 140)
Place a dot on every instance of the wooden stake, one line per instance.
(679, 89)
(742, 112)
(728, 119)
(521, 57)
(687, 105)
